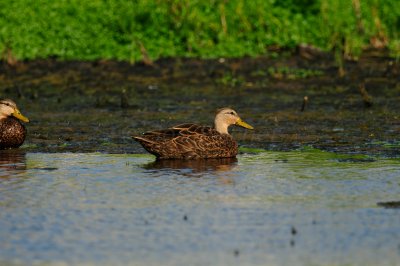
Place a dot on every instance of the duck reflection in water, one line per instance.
(12, 162)
(195, 168)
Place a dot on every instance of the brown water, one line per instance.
(318, 187)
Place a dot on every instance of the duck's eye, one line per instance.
(230, 113)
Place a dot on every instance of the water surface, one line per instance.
(267, 208)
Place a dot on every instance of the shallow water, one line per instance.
(268, 208)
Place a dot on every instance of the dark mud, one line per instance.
(96, 106)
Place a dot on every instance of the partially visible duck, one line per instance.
(12, 131)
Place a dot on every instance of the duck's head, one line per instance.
(226, 117)
(9, 108)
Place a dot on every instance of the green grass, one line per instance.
(114, 29)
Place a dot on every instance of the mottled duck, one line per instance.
(12, 131)
(191, 141)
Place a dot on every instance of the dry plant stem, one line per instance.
(367, 99)
(303, 106)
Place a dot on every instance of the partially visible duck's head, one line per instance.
(226, 117)
(9, 108)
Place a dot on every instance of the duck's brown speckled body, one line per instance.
(12, 131)
(191, 141)
(188, 141)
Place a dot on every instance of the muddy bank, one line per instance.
(96, 106)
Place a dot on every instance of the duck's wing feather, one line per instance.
(182, 130)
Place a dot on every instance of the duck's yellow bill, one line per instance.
(241, 123)
(17, 114)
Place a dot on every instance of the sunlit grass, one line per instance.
(195, 28)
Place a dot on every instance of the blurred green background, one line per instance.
(126, 30)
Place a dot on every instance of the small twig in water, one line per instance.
(367, 99)
(124, 99)
(303, 106)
